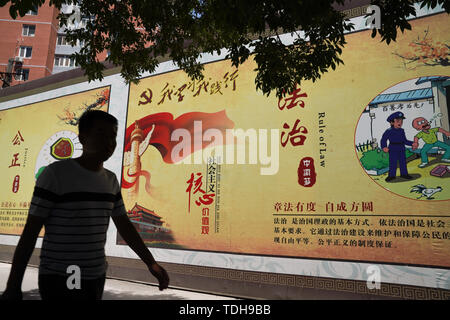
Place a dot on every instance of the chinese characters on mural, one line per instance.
(306, 172)
(355, 232)
(311, 206)
(13, 213)
(204, 196)
(16, 141)
(213, 185)
(193, 87)
(297, 136)
(293, 226)
(291, 218)
(401, 106)
(13, 204)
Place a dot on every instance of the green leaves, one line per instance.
(21, 7)
(136, 33)
(393, 17)
(431, 4)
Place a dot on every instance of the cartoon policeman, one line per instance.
(397, 141)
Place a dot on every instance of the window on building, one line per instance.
(33, 12)
(62, 41)
(25, 52)
(64, 61)
(22, 74)
(28, 30)
(84, 22)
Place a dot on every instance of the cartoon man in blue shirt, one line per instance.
(397, 141)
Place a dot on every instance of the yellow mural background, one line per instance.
(247, 198)
(37, 122)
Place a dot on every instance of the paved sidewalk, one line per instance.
(114, 289)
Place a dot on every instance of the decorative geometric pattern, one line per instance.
(341, 285)
(275, 279)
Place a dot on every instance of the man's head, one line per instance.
(420, 124)
(97, 131)
(396, 119)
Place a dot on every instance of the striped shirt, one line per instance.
(76, 204)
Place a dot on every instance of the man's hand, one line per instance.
(386, 149)
(415, 146)
(12, 295)
(130, 235)
(161, 274)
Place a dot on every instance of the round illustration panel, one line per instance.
(402, 138)
(62, 145)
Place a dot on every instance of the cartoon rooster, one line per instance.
(424, 191)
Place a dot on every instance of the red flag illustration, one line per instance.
(165, 124)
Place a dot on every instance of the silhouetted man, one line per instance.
(74, 199)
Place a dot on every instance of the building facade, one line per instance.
(35, 46)
(64, 60)
(27, 45)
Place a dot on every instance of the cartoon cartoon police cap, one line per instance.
(396, 115)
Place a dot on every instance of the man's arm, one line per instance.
(21, 257)
(131, 236)
(415, 145)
